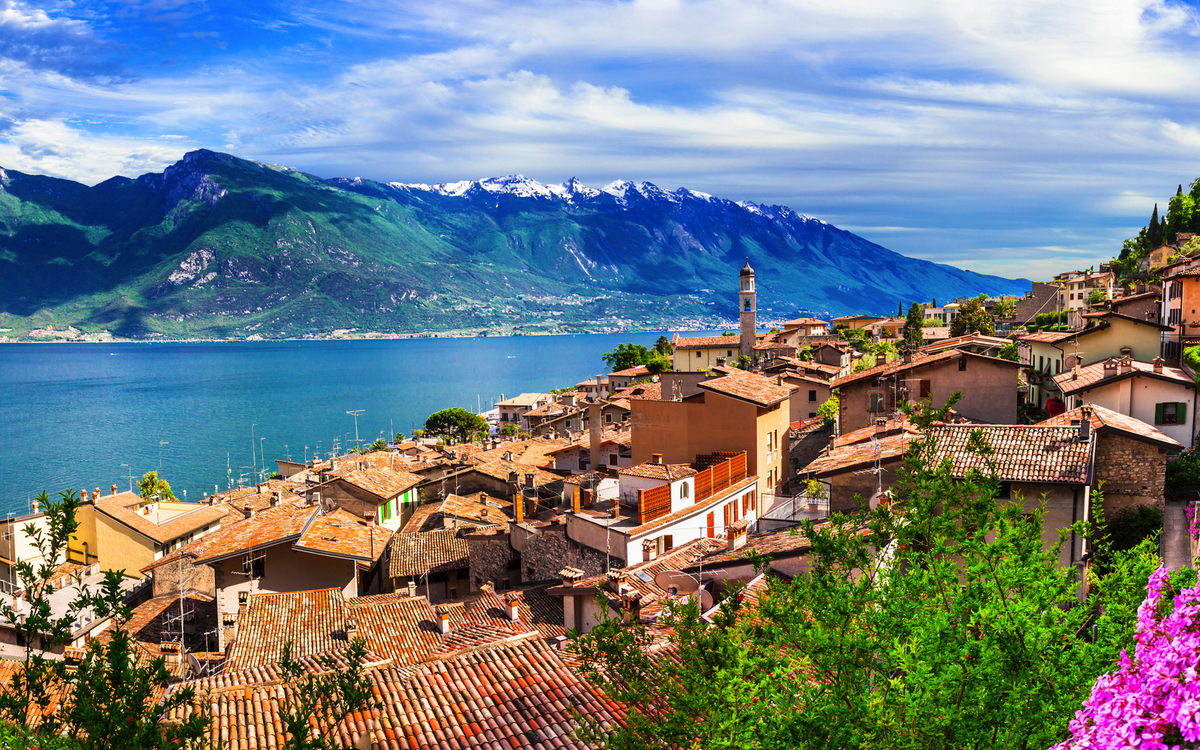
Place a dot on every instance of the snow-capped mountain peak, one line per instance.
(573, 190)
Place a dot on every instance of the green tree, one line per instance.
(378, 445)
(150, 485)
(455, 423)
(1183, 474)
(663, 346)
(624, 356)
(1006, 307)
(1179, 213)
(509, 429)
(914, 337)
(805, 354)
(1154, 235)
(830, 408)
(938, 621)
(1009, 351)
(1097, 296)
(659, 363)
(330, 696)
(399, 438)
(973, 318)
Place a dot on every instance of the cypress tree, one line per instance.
(1179, 192)
(900, 309)
(1154, 235)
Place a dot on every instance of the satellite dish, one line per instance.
(194, 665)
(706, 600)
(681, 582)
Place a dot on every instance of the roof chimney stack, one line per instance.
(656, 459)
(443, 614)
(113, 489)
(412, 588)
(1158, 364)
(510, 606)
(880, 359)
(1085, 423)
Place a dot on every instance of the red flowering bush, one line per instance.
(1055, 406)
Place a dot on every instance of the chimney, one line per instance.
(443, 614)
(84, 497)
(595, 433)
(735, 535)
(570, 576)
(249, 511)
(880, 359)
(529, 481)
(34, 506)
(113, 490)
(577, 500)
(649, 550)
(656, 459)
(315, 498)
(908, 356)
(519, 506)
(95, 494)
(631, 603)
(1126, 364)
(351, 628)
(333, 464)
(1075, 369)
(1085, 423)
(1158, 364)
(510, 606)
(276, 497)
(412, 588)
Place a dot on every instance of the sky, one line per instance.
(1013, 137)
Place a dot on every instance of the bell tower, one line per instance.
(747, 306)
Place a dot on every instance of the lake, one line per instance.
(94, 415)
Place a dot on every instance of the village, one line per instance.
(463, 565)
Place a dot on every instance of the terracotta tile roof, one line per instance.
(631, 372)
(804, 322)
(808, 379)
(539, 611)
(501, 469)
(480, 508)
(1047, 337)
(820, 367)
(517, 694)
(1020, 453)
(890, 427)
(850, 457)
(748, 387)
(524, 399)
(313, 621)
(122, 507)
(919, 359)
(1099, 374)
(617, 436)
(970, 338)
(665, 472)
(536, 452)
(1107, 420)
(341, 534)
(707, 342)
(271, 526)
(776, 543)
(428, 552)
(806, 425)
(424, 518)
(380, 481)
(651, 391)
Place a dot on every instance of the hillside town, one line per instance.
(463, 565)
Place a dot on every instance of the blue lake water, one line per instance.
(90, 415)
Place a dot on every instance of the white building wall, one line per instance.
(1137, 397)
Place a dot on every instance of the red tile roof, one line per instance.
(381, 481)
(919, 359)
(665, 472)
(747, 386)
(1104, 420)
(429, 552)
(122, 507)
(341, 534)
(1099, 374)
(283, 523)
(632, 372)
(313, 621)
(707, 342)
(1020, 453)
(849, 457)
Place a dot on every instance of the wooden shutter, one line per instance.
(668, 542)
(725, 508)
(1158, 414)
(1181, 413)
(925, 389)
(711, 524)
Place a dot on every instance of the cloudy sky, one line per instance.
(1015, 137)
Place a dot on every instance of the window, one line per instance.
(729, 353)
(683, 490)
(962, 364)
(876, 402)
(711, 526)
(812, 414)
(925, 388)
(567, 424)
(1005, 491)
(608, 418)
(747, 305)
(255, 568)
(668, 542)
(1170, 413)
(504, 416)
(812, 395)
(612, 459)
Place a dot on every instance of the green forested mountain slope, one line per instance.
(220, 247)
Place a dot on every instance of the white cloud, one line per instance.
(52, 147)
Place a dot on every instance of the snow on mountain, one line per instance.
(575, 192)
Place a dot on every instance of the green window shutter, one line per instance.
(1158, 410)
(1181, 413)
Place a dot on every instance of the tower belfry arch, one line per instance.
(748, 309)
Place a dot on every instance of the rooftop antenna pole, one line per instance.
(263, 456)
(128, 466)
(161, 443)
(356, 412)
(253, 453)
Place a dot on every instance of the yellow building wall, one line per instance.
(686, 360)
(83, 542)
(122, 548)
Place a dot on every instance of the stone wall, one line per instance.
(492, 559)
(545, 550)
(1133, 473)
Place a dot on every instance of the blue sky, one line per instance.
(1014, 137)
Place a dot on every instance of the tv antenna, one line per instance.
(161, 443)
(253, 452)
(356, 412)
(130, 467)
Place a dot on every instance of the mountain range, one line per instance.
(217, 246)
